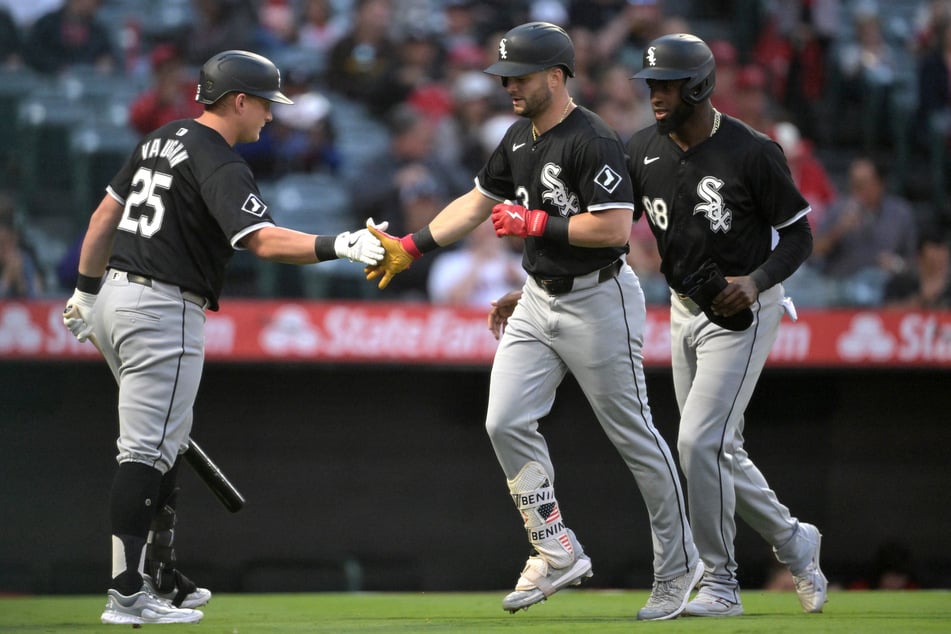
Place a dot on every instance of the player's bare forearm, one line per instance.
(280, 244)
(609, 228)
(97, 244)
(460, 217)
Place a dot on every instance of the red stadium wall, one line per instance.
(372, 332)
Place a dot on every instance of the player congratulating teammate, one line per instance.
(582, 312)
(152, 262)
(715, 192)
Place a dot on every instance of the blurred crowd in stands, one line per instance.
(393, 117)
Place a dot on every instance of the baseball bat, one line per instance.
(210, 473)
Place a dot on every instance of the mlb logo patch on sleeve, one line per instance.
(254, 206)
(608, 179)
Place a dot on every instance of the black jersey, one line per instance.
(576, 167)
(189, 198)
(721, 199)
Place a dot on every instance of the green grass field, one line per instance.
(570, 611)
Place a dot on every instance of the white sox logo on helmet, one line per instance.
(651, 58)
(721, 219)
(503, 54)
(557, 192)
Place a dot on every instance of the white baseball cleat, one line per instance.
(669, 598)
(144, 607)
(811, 584)
(539, 581)
(706, 603)
(195, 598)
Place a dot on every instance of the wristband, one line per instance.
(424, 241)
(556, 230)
(324, 248)
(418, 243)
(87, 284)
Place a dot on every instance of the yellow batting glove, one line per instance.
(398, 257)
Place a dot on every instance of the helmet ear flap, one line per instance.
(696, 90)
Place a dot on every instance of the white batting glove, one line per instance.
(361, 245)
(77, 316)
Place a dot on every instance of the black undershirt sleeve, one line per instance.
(794, 246)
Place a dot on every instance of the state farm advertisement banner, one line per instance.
(371, 332)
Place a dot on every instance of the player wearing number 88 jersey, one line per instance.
(716, 193)
(152, 262)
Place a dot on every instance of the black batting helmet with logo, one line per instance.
(239, 71)
(681, 56)
(532, 47)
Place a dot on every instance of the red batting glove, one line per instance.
(514, 220)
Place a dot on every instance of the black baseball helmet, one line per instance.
(239, 71)
(681, 56)
(532, 47)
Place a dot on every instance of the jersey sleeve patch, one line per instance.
(254, 206)
(608, 179)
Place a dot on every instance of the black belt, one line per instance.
(567, 283)
(188, 296)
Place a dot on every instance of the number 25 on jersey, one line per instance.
(144, 185)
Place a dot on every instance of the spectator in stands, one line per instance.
(792, 46)
(220, 25)
(622, 103)
(752, 100)
(279, 21)
(321, 26)
(461, 32)
(810, 175)
(926, 284)
(171, 95)
(460, 137)
(868, 69)
(301, 138)
(621, 27)
(10, 44)
(359, 65)
(866, 236)
(727, 60)
(417, 73)
(380, 180)
(71, 35)
(931, 126)
(480, 270)
(20, 276)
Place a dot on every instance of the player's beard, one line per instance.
(535, 104)
(675, 118)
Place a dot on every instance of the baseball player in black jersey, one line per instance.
(718, 195)
(152, 261)
(582, 311)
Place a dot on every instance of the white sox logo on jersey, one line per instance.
(557, 192)
(721, 219)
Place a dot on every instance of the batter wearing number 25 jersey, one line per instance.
(187, 168)
(152, 261)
